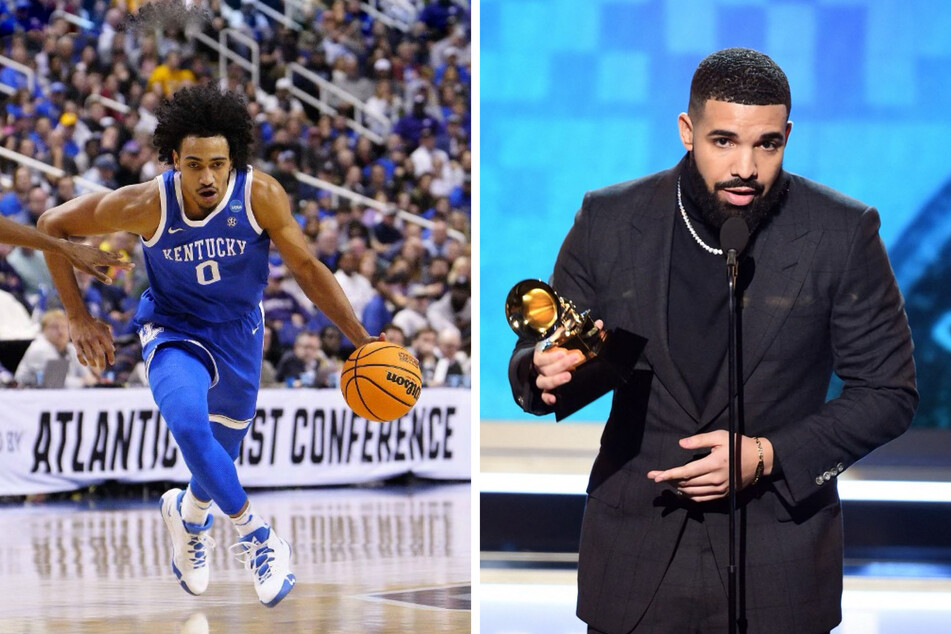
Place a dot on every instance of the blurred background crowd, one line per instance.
(361, 111)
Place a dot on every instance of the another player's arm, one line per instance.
(273, 213)
(134, 208)
(85, 258)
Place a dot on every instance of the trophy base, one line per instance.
(597, 376)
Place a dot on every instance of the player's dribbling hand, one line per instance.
(370, 339)
(93, 340)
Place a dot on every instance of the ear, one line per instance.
(686, 130)
(175, 159)
(788, 130)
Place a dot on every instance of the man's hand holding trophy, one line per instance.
(571, 347)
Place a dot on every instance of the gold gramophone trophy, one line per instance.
(535, 311)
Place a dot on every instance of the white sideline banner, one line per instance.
(61, 440)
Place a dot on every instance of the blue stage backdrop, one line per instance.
(578, 95)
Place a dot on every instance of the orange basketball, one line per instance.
(381, 381)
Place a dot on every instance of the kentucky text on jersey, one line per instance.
(207, 248)
(212, 268)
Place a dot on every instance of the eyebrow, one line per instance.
(200, 159)
(769, 136)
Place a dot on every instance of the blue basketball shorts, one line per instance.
(231, 351)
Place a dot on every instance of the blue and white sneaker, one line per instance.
(268, 557)
(190, 544)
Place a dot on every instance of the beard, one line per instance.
(715, 212)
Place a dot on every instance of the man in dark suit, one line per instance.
(816, 296)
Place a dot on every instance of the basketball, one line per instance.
(381, 381)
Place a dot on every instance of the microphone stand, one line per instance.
(734, 235)
(731, 267)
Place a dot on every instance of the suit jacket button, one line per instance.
(521, 400)
(840, 468)
(819, 480)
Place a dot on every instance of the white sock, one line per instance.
(194, 511)
(247, 521)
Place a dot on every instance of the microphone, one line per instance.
(734, 235)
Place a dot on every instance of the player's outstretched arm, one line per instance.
(273, 213)
(134, 208)
(87, 259)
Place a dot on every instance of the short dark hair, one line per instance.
(739, 75)
(204, 111)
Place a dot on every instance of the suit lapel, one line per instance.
(654, 228)
(783, 254)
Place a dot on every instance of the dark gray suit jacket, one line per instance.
(823, 299)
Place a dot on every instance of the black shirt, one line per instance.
(698, 301)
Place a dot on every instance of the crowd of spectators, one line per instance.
(88, 110)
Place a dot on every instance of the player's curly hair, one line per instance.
(203, 111)
(739, 75)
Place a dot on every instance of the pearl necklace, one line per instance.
(683, 212)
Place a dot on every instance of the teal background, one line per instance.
(578, 95)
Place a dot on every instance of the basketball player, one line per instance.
(205, 226)
(85, 258)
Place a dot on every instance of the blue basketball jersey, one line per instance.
(213, 269)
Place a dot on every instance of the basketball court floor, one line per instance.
(381, 559)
